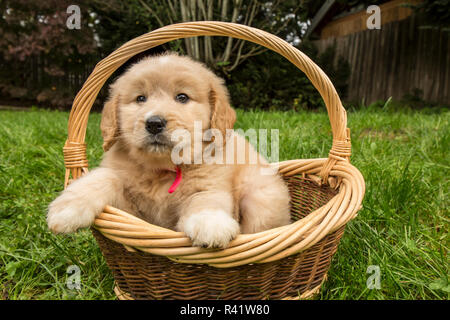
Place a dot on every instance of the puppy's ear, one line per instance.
(109, 123)
(223, 116)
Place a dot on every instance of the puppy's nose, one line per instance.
(155, 124)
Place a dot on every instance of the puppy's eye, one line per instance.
(141, 99)
(182, 98)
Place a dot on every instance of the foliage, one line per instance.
(289, 87)
(28, 28)
(67, 56)
(119, 22)
(34, 33)
(281, 18)
(436, 14)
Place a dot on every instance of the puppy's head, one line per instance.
(159, 95)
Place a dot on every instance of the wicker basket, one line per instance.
(151, 262)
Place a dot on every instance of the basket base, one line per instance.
(121, 295)
(141, 275)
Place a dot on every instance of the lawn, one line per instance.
(402, 228)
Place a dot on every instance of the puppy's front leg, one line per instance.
(83, 200)
(208, 219)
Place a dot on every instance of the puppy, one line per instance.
(149, 105)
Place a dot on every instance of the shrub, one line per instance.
(269, 81)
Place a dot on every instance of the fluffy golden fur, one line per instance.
(214, 202)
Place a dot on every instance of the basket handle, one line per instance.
(75, 159)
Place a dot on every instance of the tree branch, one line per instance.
(161, 24)
(237, 7)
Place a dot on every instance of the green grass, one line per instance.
(403, 227)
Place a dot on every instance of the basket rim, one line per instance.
(136, 234)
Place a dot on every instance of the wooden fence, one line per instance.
(34, 75)
(394, 61)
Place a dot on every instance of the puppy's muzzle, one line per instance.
(155, 124)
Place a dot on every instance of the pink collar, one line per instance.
(177, 180)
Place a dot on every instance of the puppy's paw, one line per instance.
(211, 228)
(67, 217)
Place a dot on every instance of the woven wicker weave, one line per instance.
(151, 262)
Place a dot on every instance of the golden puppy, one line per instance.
(155, 104)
